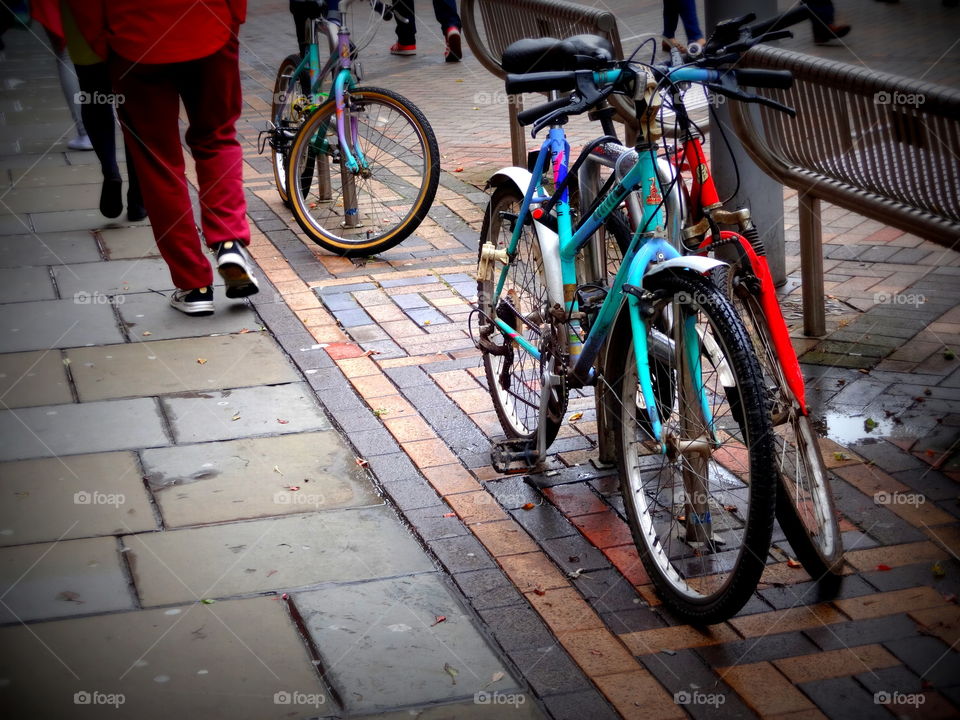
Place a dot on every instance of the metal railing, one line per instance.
(880, 145)
(489, 26)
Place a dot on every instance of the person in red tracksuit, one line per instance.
(162, 52)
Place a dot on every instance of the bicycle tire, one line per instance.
(805, 506)
(513, 376)
(708, 583)
(411, 199)
(283, 118)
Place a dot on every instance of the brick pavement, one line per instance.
(545, 561)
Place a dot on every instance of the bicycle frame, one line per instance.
(647, 248)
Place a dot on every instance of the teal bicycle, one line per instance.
(690, 413)
(359, 166)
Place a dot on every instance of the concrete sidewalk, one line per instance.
(233, 442)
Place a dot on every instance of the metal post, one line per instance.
(762, 194)
(518, 140)
(811, 266)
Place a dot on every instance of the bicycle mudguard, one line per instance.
(779, 332)
(549, 240)
(697, 263)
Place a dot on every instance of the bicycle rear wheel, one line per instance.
(805, 506)
(514, 377)
(701, 512)
(364, 212)
(288, 90)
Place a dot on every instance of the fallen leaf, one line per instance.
(459, 169)
(449, 514)
(840, 456)
(282, 422)
(539, 591)
(793, 563)
(440, 619)
(495, 678)
(147, 333)
(208, 601)
(451, 671)
(576, 416)
(66, 361)
(368, 353)
(242, 331)
(201, 361)
(528, 506)
(869, 424)
(730, 508)
(938, 571)
(236, 417)
(882, 567)
(361, 462)
(293, 487)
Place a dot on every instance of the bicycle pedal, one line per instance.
(513, 455)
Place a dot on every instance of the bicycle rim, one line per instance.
(285, 119)
(805, 506)
(360, 213)
(701, 513)
(513, 375)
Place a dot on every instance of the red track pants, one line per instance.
(149, 115)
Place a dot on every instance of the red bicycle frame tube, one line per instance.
(703, 193)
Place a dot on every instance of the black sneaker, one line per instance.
(198, 301)
(233, 264)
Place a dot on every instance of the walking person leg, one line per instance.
(406, 31)
(449, 19)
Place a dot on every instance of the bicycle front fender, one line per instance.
(696, 263)
(520, 179)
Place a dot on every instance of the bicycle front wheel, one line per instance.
(367, 210)
(700, 505)
(514, 376)
(805, 507)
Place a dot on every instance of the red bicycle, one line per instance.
(805, 506)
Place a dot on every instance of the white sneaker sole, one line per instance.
(195, 308)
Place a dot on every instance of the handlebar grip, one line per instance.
(540, 82)
(791, 17)
(535, 113)
(752, 77)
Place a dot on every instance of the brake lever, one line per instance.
(585, 96)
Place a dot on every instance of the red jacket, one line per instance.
(161, 31)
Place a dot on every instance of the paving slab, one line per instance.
(229, 661)
(55, 430)
(250, 478)
(43, 176)
(112, 278)
(56, 195)
(151, 313)
(129, 243)
(244, 412)
(24, 284)
(58, 221)
(56, 323)
(279, 553)
(71, 577)
(33, 378)
(384, 647)
(166, 366)
(72, 497)
(48, 249)
(484, 707)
